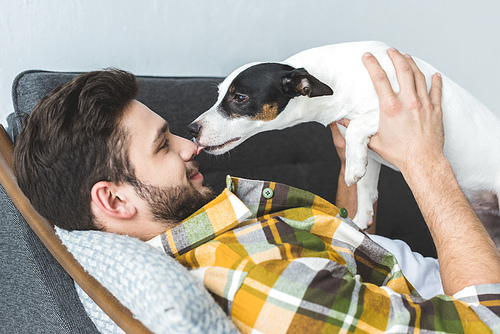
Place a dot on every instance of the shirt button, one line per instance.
(229, 184)
(268, 193)
(343, 212)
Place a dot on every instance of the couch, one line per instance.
(38, 296)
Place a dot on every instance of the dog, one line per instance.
(328, 83)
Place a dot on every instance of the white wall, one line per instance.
(189, 37)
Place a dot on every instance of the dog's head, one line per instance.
(253, 99)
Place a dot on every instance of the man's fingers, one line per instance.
(420, 82)
(378, 76)
(436, 91)
(335, 130)
(343, 121)
(404, 72)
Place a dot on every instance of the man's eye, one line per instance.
(164, 145)
(240, 97)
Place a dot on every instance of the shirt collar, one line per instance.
(223, 213)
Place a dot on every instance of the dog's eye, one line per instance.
(240, 97)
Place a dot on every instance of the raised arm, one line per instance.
(411, 137)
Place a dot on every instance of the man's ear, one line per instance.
(300, 82)
(113, 200)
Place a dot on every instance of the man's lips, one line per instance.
(195, 175)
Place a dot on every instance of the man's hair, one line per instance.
(72, 140)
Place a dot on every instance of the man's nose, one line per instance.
(188, 149)
(194, 129)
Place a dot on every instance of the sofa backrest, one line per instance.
(294, 156)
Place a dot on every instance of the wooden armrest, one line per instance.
(45, 231)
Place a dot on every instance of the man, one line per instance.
(275, 258)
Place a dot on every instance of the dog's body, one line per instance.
(266, 96)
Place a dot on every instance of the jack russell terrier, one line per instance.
(329, 83)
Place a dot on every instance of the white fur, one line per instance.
(472, 132)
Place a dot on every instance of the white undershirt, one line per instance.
(422, 272)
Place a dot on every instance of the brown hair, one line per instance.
(72, 140)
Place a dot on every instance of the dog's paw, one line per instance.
(354, 173)
(363, 219)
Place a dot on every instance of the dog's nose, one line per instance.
(194, 129)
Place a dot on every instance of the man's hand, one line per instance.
(411, 128)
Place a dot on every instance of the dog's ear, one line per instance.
(299, 82)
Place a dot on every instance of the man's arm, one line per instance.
(411, 137)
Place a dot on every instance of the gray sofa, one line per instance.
(37, 296)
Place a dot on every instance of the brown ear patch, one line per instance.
(267, 113)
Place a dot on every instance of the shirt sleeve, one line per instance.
(485, 301)
(327, 298)
(422, 272)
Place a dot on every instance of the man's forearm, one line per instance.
(467, 255)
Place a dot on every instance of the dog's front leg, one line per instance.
(367, 194)
(359, 167)
(357, 136)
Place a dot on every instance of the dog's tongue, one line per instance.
(200, 148)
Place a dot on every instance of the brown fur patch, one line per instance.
(267, 113)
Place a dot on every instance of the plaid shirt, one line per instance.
(279, 259)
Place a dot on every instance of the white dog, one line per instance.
(329, 83)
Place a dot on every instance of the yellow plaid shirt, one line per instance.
(278, 259)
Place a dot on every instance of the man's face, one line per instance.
(168, 179)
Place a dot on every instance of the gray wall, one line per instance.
(188, 37)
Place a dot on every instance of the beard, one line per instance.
(171, 205)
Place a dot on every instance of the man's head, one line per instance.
(92, 157)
